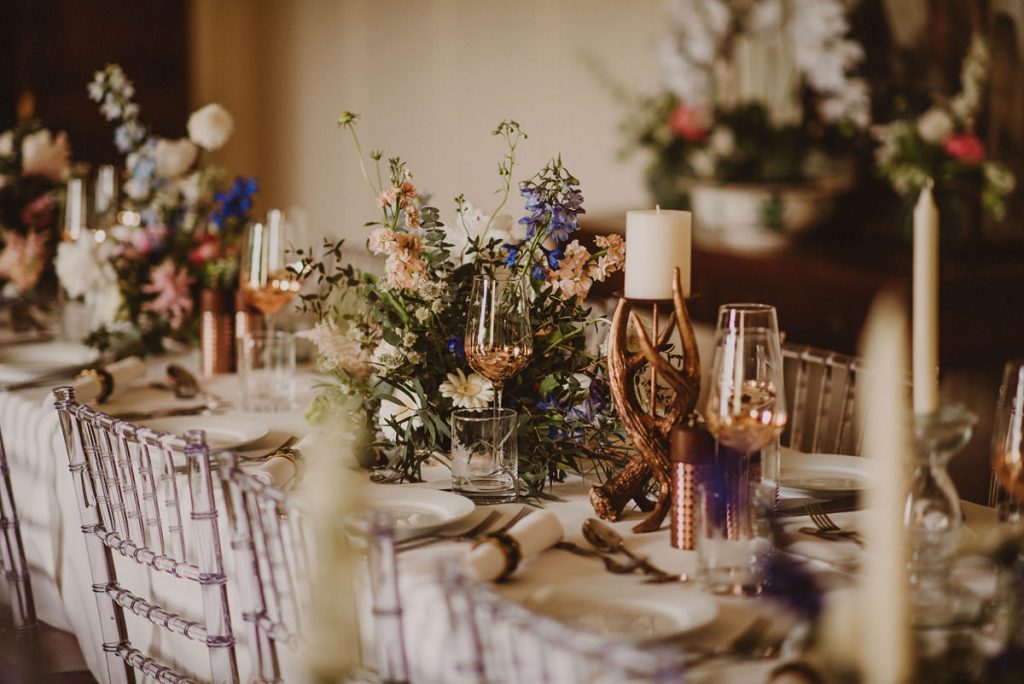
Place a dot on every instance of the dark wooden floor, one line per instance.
(22, 661)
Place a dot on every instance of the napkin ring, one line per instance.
(509, 547)
(105, 379)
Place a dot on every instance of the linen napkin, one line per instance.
(536, 532)
(122, 374)
(279, 471)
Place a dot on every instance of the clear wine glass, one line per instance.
(746, 404)
(270, 276)
(1008, 438)
(499, 339)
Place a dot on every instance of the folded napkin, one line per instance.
(499, 555)
(842, 553)
(89, 386)
(279, 471)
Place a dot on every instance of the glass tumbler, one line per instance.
(266, 371)
(485, 462)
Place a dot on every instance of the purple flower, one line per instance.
(513, 254)
(455, 345)
(549, 402)
(236, 202)
(789, 582)
(538, 272)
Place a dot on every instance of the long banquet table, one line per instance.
(62, 584)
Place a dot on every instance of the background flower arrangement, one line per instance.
(176, 233)
(755, 92)
(395, 341)
(942, 145)
(33, 165)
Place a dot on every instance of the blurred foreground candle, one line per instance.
(885, 635)
(926, 302)
(657, 241)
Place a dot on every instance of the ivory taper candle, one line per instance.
(657, 241)
(926, 302)
(885, 634)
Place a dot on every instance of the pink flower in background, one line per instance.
(689, 123)
(207, 249)
(571, 278)
(39, 212)
(387, 197)
(966, 147)
(23, 258)
(382, 240)
(42, 154)
(135, 242)
(173, 297)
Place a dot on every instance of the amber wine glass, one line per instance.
(746, 404)
(269, 276)
(1008, 435)
(499, 339)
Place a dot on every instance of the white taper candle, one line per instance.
(926, 303)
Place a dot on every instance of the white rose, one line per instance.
(935, 126)
(6, 143)
(42, 154)
(722, 142)
(104, 304)
(210, 126)
(405, 410)
(174, 157)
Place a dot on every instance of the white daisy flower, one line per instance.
(472, 391)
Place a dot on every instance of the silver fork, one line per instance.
(825, 524)
(470, 535)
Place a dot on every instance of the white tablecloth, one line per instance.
(56, 552)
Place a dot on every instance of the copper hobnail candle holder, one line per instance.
(648, 423)
(216, 331)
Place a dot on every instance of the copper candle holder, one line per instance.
(216, 331)
(648, 422)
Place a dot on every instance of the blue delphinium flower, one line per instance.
(236, 202)
(455, 345)
(549, 402)
(538, 272)
(513, 254)
(557, 433)
(554, 257)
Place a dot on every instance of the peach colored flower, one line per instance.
(408, 192)
(571, 279)
(613, 260)
(173, 297)
(412, 216)
(387, 197)
(23, 258)
(411, 242)
(403, 269)
(42, 154)
(382, 240)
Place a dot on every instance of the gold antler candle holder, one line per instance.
(649, 423)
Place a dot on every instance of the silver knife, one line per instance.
(48, 379)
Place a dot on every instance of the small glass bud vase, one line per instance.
(934, 521)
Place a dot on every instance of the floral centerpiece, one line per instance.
(757, 96)
(941, 145)
(175, 233)
(395, 342)
(33, 166)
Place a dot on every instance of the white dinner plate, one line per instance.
(31, 361)
(822, 474)
(417, 510)
(604, 606)
(222, 432)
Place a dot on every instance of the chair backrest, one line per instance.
(821, 391)
(12, 556)
(274, 554)
(498, 640)
(129, 501)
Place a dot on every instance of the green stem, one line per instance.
(362, 165)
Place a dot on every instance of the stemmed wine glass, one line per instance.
(746, 404)
(1008, 438)
(499, 339)
(269, 276)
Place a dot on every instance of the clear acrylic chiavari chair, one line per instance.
(275, 557)
(12, 558)
(131, 505)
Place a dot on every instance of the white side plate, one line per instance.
(28, 362)
(222, 432)
(822, 474)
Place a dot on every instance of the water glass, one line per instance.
(730, 538)
(266, 371)
(485, 461)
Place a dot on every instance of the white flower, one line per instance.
(703, 163)
(935, 126)
(473, 391)
(471, 224)
(400, 409)
(1000, 178)
(6, 143)
(722, 142)
(210, 126)
(174, 157)
(136, 188)
(190, 188)
(852, 104)
(338, 349)
(386, 355)
(84, 270)
(42, 154)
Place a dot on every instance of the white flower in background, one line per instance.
(387, 356)
(190, 187)
(973, 75)
(6, 143)
(84, 270)
(471, 224)
(935, 126)
(702, 163)
(136, 188)
(42, 154)
(999, 178)
(338, 349)
(403, 409)
(472, 391)
(174, 157)
(687, 54)
(210, 126)
(722, 142)
(817, 29)
(852, 104)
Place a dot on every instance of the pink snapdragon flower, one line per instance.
(173, 297)
(965, 147)
(23, 258)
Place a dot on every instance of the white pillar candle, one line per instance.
(657, 242)
(885, 634)
(926, 303)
